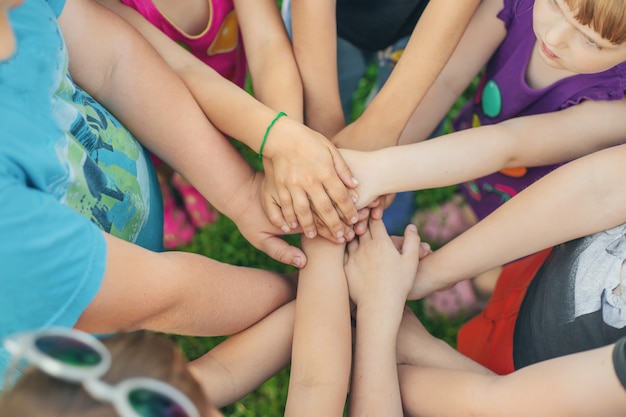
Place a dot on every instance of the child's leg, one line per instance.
(177, 230)
(322, 346)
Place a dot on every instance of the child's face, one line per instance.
(7, 39)
(566, 44)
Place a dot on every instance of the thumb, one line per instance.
(411, 243)
(342, 169)
(278, 249)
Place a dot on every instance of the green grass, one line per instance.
(222, 241)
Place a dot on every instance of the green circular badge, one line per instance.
(491, 101)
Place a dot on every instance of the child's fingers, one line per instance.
(376, 208)
(377, 212)
(286, 205)
(283, 252)
(411, 245)
(352, 247)
(425, 249)
(327, 213)
(397, 242)
(275, 216)
(343, 199)
(326, 233)
(378, 229)
(302, 208)
(343, 170)
(361, 226)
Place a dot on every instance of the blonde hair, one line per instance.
(142, 354)
(606, 17)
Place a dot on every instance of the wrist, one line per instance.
(386, 315)
(324, 249)
(325, 117)
(246, 196)
(426, 279)
(271, 135)
(382, 123)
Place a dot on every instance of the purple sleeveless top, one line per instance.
(504, 94)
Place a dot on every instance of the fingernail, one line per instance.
(294, 225)
(412, 227)
(297, 261)
(355, 181)
(350, 234)
(341, 240)
(339, 234)
(425, 246)
(310, 234)
(354, 219)
(354, 199)
(285, 228)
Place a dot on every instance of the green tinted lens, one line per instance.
(68, 351)
(149, 403)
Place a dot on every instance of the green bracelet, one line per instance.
(267, 132)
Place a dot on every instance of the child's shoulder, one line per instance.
(515, 9)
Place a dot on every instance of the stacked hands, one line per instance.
(380, 269)
(308, 187)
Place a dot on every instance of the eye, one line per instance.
(590, 42)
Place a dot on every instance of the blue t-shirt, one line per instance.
(68, 171)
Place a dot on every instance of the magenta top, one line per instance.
(219, 45)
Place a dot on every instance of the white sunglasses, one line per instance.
(78, 357)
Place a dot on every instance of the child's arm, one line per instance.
(432, 42)
(528, 141)
(583, 197)
(441, 381)
(244, 361)
(379, 278)
(481, 39)
(113, 63)
(314, 27)
(277, 84)
(275, 77)
(313, 166)
(321, 358)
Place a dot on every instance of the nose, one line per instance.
(558, 34)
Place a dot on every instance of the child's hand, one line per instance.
(377, 271)
(271, 206)
(374, 210)
(257, 229)
(369, 187)
(309, 176)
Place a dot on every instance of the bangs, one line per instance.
(606, 17)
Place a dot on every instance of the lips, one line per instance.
(547, 52)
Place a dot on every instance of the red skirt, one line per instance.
(488, 337)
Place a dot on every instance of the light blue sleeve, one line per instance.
(56, 6)
(52, 261)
